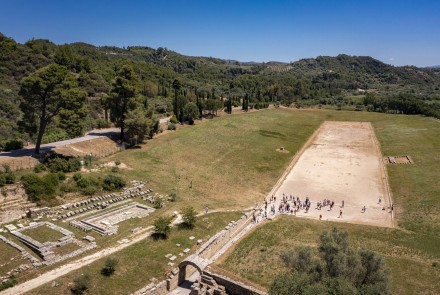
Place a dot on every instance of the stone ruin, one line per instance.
(106, 222)
(100, 202)
(206, 285)
(45, 250)
(399, 160)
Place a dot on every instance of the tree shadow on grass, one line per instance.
(185, 226)
(158, 236)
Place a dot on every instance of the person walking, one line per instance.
(340, 213)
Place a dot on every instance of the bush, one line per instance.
(2, 180)
(171, 126)
(61, 176)
(158, 203)
(88, 185)
(80, 284)
(64, 165)
(109, 267)
(40, 188)
(174, 120)
(101, 123)
(39, 168)
(115, 169)
(77, 176)
(9, 177)
(162, 227)
(117, 162)
(11, 144)
(9, 283)
(112, 182)
(189, 217)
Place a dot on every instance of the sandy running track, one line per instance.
(342, 163)
(71, 266)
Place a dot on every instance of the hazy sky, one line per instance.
(397, 32)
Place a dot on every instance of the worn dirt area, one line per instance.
(342, 163)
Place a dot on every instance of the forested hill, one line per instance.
(342, 81)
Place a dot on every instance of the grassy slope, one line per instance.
(232, 161)
(409, 250)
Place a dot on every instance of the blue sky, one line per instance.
(405, 32)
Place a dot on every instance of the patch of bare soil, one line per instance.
(342, 164)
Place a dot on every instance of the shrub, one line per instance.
(117, 162)
(88, 185)
(11, 144)
(109, 267)
(77, 176)
(157, 203)
(115, 169)
(80, 284)
(174, 120)
(189, 217)
(39, 168)
(112, 182)
(9, 177)
(171, 126)
(9, 283)
(101, 123)
(39, 188)
(2, 180)
(64, 165)
(61, 176)
(162, 227)
(74, 164)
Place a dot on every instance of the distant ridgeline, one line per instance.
(167, 82)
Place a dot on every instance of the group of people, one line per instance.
(291, 204)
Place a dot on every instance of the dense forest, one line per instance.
(131, 87)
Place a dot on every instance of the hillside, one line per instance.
(333, 81)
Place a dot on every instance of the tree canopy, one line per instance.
(335, 269)
(47, 92)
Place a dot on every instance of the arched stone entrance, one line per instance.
(196, 262)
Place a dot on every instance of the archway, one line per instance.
(186, 269)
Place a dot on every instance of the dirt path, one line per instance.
(65, 269)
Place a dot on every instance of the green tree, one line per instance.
(162, 227)
(137, 125)
(73, 115)
(191, 112)
(189, 216)
(46, 92)
(176, 86)
(337, 269)
(123, 96)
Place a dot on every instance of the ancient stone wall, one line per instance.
(233, 287)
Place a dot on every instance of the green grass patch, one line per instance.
(10, 258)
(43, 234)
